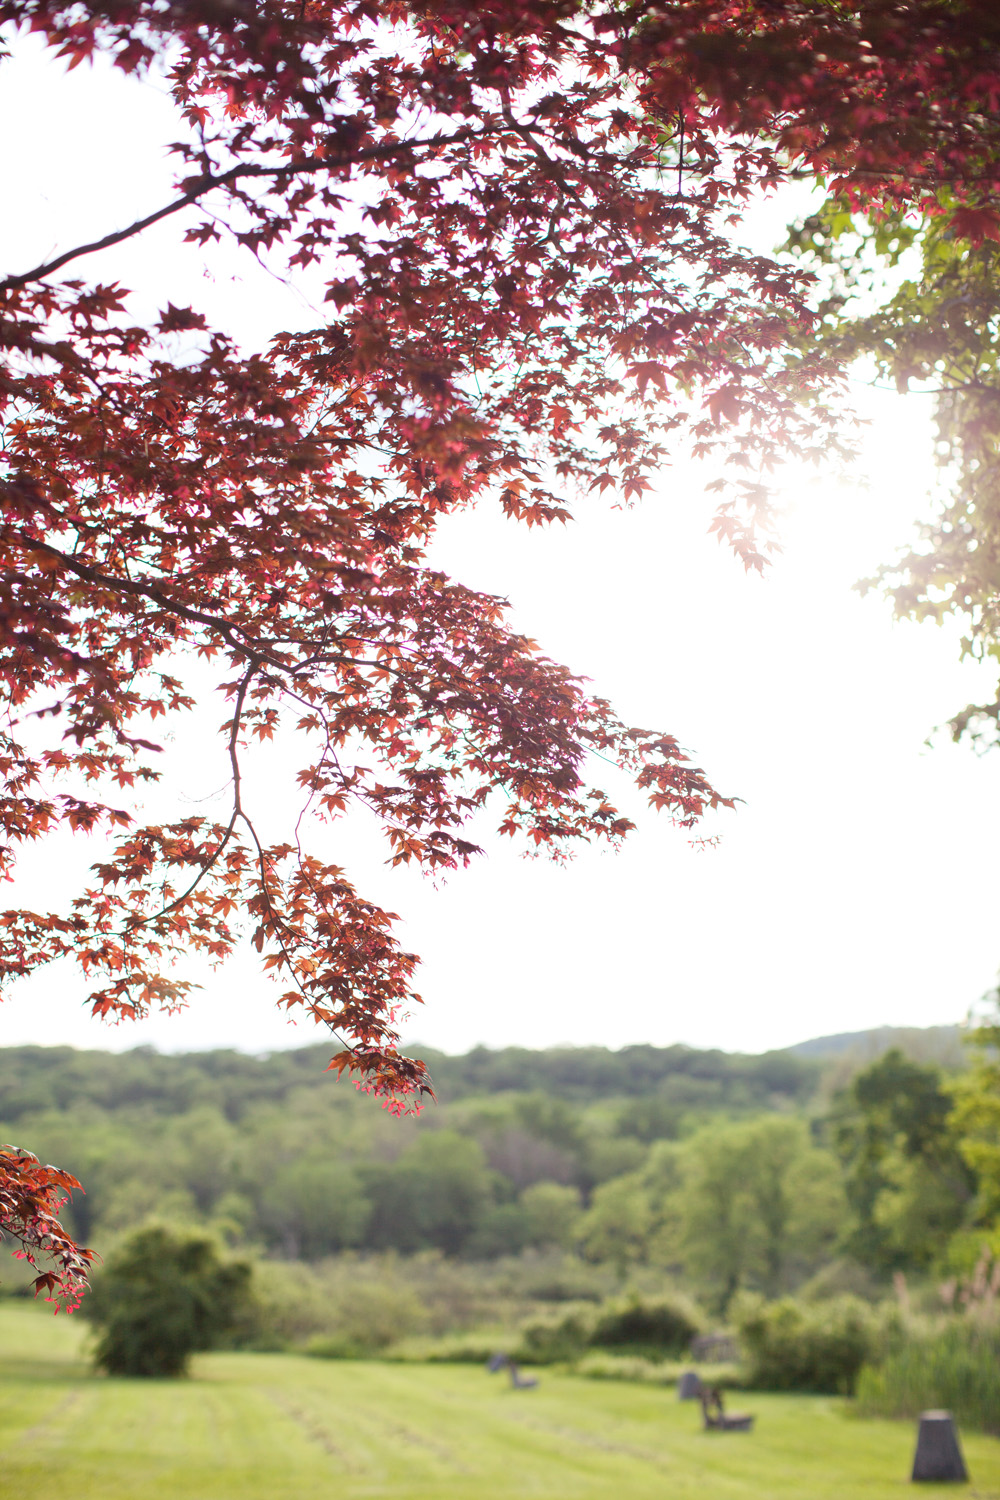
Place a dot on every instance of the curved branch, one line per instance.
(207, 183)
(237, 809)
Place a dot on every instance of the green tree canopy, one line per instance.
(758, 1202)
(977, 1120)
(913, 299)
(906, 1181)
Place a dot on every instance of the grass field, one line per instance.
(279, 1427)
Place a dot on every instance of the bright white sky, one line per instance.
(857, 884)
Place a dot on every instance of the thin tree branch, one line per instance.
(237, 809)
(208, 183)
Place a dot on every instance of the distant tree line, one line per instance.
(720, 1171)
(41, 1078)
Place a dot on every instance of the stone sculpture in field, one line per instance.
(938, 1456)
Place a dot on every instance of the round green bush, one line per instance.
(665, 1325)
(795, 1346)
(554, 1341)
(163, 1296)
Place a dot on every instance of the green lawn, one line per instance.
(278, 1427)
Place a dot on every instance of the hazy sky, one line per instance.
(855, 885)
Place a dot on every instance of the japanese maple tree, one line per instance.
(520, 213)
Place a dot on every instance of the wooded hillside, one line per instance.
(622, 1159)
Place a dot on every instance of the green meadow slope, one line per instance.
(281, 1427)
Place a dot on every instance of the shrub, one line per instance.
(356, 1304)
(293, 1303)
(366, 1316)
(565, 1280)
(163, 1296)
(636, 1370)
(546, 1341)
(298, 1301)
(957, 1367)
(377, 1313)
(658, 1327)
(332, 1346)
(793, 1346)
(458, 1349)
(632, 1368)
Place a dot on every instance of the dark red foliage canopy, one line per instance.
(520, 215)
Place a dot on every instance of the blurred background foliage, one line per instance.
(604, 1208)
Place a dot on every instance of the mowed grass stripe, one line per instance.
(281, 1427)
(426, 1428)
(425, 1424)
(169, 1439)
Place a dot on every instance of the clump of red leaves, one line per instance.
(31, 1196)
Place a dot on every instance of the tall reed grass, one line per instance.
(956, 1367)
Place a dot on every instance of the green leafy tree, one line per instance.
(746, 1204)
(316, 1206)
(924, 1204)
(911, 294)
(503, 1229)
(649, 1119)
(758, 1206)
(552, 1213)
(907, 1183)
(722, 1235)
(977, 1118)
(618, 1225)
(162, 1297)
(433, 1196)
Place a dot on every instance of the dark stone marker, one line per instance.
(938, 1455)
(688, 1387)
